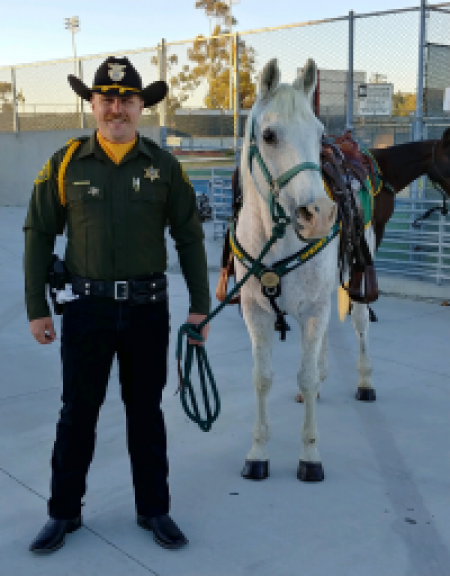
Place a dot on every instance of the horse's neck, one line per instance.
(257, 209)
(402, 164)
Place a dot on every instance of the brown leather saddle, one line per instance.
(344, 169)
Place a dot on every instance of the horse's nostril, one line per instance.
(304, 213)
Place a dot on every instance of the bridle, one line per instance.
(275, 184)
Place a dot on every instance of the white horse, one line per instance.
(281, 146)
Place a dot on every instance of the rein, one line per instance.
(192, 331)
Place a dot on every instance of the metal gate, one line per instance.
(222, 199)
(422, 252)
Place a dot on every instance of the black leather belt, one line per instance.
(137, 291)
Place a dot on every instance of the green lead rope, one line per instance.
(192, 331)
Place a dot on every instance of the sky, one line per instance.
(33, 31)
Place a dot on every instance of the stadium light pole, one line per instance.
(73, 24)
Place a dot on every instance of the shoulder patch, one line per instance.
(44, 174)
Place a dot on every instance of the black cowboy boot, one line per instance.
(52, 535)
(165, 532)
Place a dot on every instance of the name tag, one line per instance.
(82, 183)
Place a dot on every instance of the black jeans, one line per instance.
(94, 330)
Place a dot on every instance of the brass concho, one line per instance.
(270, 279)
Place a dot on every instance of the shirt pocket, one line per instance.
(152, 192)
(86, 203)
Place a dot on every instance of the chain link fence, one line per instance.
(370, 80)
(199, 110)
(326, 43)
(205, 110)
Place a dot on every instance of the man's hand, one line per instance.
(196, 319)
(43, 330)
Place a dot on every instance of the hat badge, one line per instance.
(116, 72)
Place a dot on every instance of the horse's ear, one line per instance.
(308, 79)
(446, 138)
(270, 78)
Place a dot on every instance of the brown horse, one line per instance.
(399, 166)
(402, 164)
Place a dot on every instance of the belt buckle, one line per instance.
(120, 290)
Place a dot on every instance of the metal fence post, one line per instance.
(418, 124)
(14, 101)
(441, 250)
(236, 99)
(351, 22)
(162, 60)
(419, 97)
(80, 74)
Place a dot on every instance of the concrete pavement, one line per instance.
(382, 510)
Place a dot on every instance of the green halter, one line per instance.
(275, 185)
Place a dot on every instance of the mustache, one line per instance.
(116, 117)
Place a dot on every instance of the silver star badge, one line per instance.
(151, 173)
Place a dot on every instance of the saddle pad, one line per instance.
(366, 197)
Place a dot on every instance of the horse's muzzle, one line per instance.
(315, 220)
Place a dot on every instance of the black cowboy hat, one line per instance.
(118, 77)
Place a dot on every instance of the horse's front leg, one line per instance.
(260, 327)
(314, 328)
(360, 321)
(323, 366)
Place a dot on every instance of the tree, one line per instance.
(5, 100)
(403, 104)
(180, 85)
(216, 9)
(210, 64)
(5, 88)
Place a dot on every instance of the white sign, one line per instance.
(375, 99)
(174, 141)
(447, 100)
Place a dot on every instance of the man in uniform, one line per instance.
(114, 193)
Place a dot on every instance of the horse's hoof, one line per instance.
(310, 471)
(366, 395)
(256, 469)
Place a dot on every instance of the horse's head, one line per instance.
(440, 166)
(283, 143)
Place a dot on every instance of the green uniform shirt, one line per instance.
(114, 216)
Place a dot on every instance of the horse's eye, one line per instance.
(269, 136)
